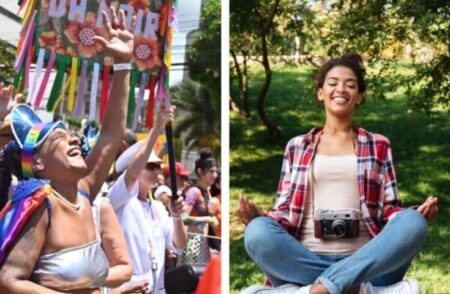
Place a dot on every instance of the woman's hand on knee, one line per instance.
(247, 210)
(429, 209)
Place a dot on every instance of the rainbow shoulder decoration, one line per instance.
(27, 197)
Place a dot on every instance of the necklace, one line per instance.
(63, 199)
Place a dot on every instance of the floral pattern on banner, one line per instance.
(146, 53)
(80, 34)
(67, 27)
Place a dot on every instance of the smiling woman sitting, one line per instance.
(337, 226)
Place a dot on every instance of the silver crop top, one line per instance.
(74, 268)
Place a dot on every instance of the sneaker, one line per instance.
(404, 287)
(283, 289)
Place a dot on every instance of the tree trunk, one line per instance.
(243, 84)
(271, 126)
(233, 106)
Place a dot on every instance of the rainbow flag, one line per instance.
(28, 195)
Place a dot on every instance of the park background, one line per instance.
(276, 46)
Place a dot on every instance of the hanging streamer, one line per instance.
(61, 95)
(30, 8)
(28, 43)
(162, 93)
(37, 74)
(94, 89)
(26, 83)
(151, 102)
(73, 83)
(44, 83)
(22, 5)
(140, 101)
(17, 79)
(131, 97)
(105, 88)
(81, 90)
(57, 84)
(26, 32)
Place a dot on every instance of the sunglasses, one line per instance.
(153, 166)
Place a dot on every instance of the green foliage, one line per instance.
(7, 57)
(421, 152)
(197, 122)
(204, 54)
(384, 29)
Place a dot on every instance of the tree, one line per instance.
(7, 57)
(253, 26)
(204, 53)
(198, 120)
(382, 29)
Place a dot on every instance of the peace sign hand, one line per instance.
(120, 40)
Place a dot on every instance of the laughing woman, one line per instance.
(58, 249)
(337, 225)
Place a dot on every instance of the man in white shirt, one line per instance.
(147, 227)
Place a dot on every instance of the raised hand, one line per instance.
(164, 117)
(247, 210)
(6, 101)
(429, 209)
(120, 40)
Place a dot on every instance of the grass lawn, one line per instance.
(421, 149)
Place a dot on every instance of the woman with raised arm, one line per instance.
(58, 249)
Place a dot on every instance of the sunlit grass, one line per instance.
(421, 149)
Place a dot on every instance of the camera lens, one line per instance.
(339, 227)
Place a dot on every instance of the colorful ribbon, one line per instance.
(132, 97)
(140, 101)
(44, 83)
(57, 84)
(94, 89)
(81, 89)
(37, 75)
(151, 102)
(105, 89)
(73, 83)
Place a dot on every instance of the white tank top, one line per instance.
(334, 182)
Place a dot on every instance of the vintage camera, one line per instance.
(336, 223)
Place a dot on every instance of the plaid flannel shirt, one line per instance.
(377, 182)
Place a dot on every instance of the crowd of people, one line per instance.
(70, 222)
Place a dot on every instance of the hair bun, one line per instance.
(206, 153)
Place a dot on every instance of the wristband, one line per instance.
(121, 66)
(176, 218)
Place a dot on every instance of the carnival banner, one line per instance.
(58, 34)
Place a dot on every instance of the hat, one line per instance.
(29, 132)
(5, 127)
(24, 119)
(125, 158)
(153, 158)
(161, 190)
(179, 170)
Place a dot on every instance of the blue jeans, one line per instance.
(382, 261)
